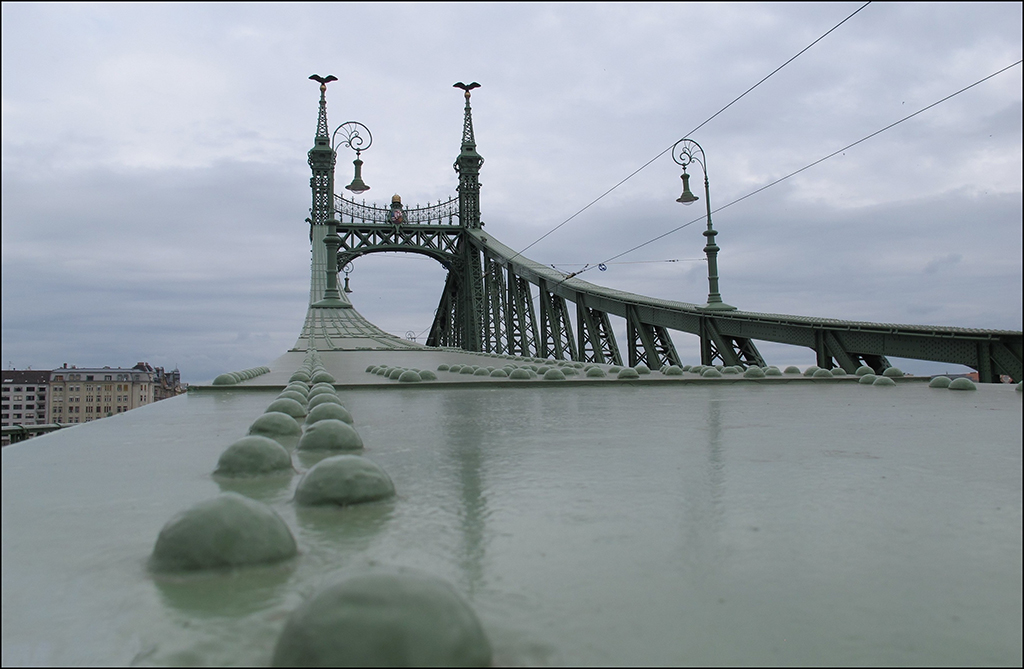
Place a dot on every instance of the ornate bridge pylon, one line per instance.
(496, 300)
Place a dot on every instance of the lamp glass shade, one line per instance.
(687, 197)
(357, 185)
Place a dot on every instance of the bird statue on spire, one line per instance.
(466, 87)
(323, 80)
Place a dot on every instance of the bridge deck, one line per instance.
(612, 524)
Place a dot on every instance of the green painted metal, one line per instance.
(442, 330)
(596, 339)
(487, 300)
(685, 152)
(523, 334)
(556, 335)
(730, 335)
(496, 313)
(321, 160)
(468, 165)
(648, 344)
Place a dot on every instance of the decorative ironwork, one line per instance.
(321, 160)
(321, 126)
(354, 135)
(687, 151)
(467, 166)
(349, 211)
(488, 302)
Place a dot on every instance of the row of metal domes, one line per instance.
(380, 617)
(231, 378)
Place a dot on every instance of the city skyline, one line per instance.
(155, 184)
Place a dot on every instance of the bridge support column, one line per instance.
(556, 336)
(837, 352)
(596, 339)
(648, 344)
(494, 321)
(821, 355)
(443, 331)
(1005, 360)
(985, 372)
(729, 350)
(521, 320)
(469, 303)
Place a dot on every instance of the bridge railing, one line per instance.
(359, 213)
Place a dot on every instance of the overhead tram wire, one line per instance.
(706, 121)
(809, 166)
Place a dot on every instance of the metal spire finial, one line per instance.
(321, 122)
(468, 140)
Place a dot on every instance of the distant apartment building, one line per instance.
(165, 384)
(80, 394)
(24, 398)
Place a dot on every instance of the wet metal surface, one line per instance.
(593, 524)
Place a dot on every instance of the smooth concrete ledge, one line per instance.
(469, 381)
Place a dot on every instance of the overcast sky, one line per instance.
(155, 182)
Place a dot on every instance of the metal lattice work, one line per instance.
(648, 344)
(556, 336)
(440, 244)
(494, 335)
(596, 339)
(355, 213)
(444, 330)
(521, 318)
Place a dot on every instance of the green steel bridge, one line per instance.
(589, 519)
(488, 300)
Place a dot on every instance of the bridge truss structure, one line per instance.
(498, 301)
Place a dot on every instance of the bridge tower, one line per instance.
(462, 312)
(470, 305)
(323, 233)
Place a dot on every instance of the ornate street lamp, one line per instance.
(355, 136)
(684, 152)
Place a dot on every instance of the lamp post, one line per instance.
(684, 152)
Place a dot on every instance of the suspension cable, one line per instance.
(810, 165)
(669, 148)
